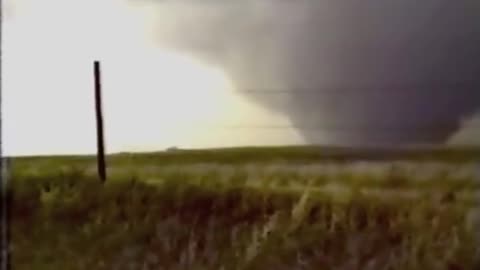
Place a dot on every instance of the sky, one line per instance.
(230, 73)
(153, 97)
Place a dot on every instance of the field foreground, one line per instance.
(267, 214)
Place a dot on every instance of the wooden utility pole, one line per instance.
(102, 173)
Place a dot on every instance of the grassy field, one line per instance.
(250, 208)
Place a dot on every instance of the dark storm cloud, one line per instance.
(371, 71)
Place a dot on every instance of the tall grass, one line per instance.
(237, 218)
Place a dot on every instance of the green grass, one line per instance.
(241, 212)
(298, 154)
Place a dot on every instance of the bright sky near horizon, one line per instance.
(153, 98)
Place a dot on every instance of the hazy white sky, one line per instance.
(153, 98)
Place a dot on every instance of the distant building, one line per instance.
(173, 149)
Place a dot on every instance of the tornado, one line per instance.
(345, 72)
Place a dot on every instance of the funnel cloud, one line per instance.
(344, 71)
